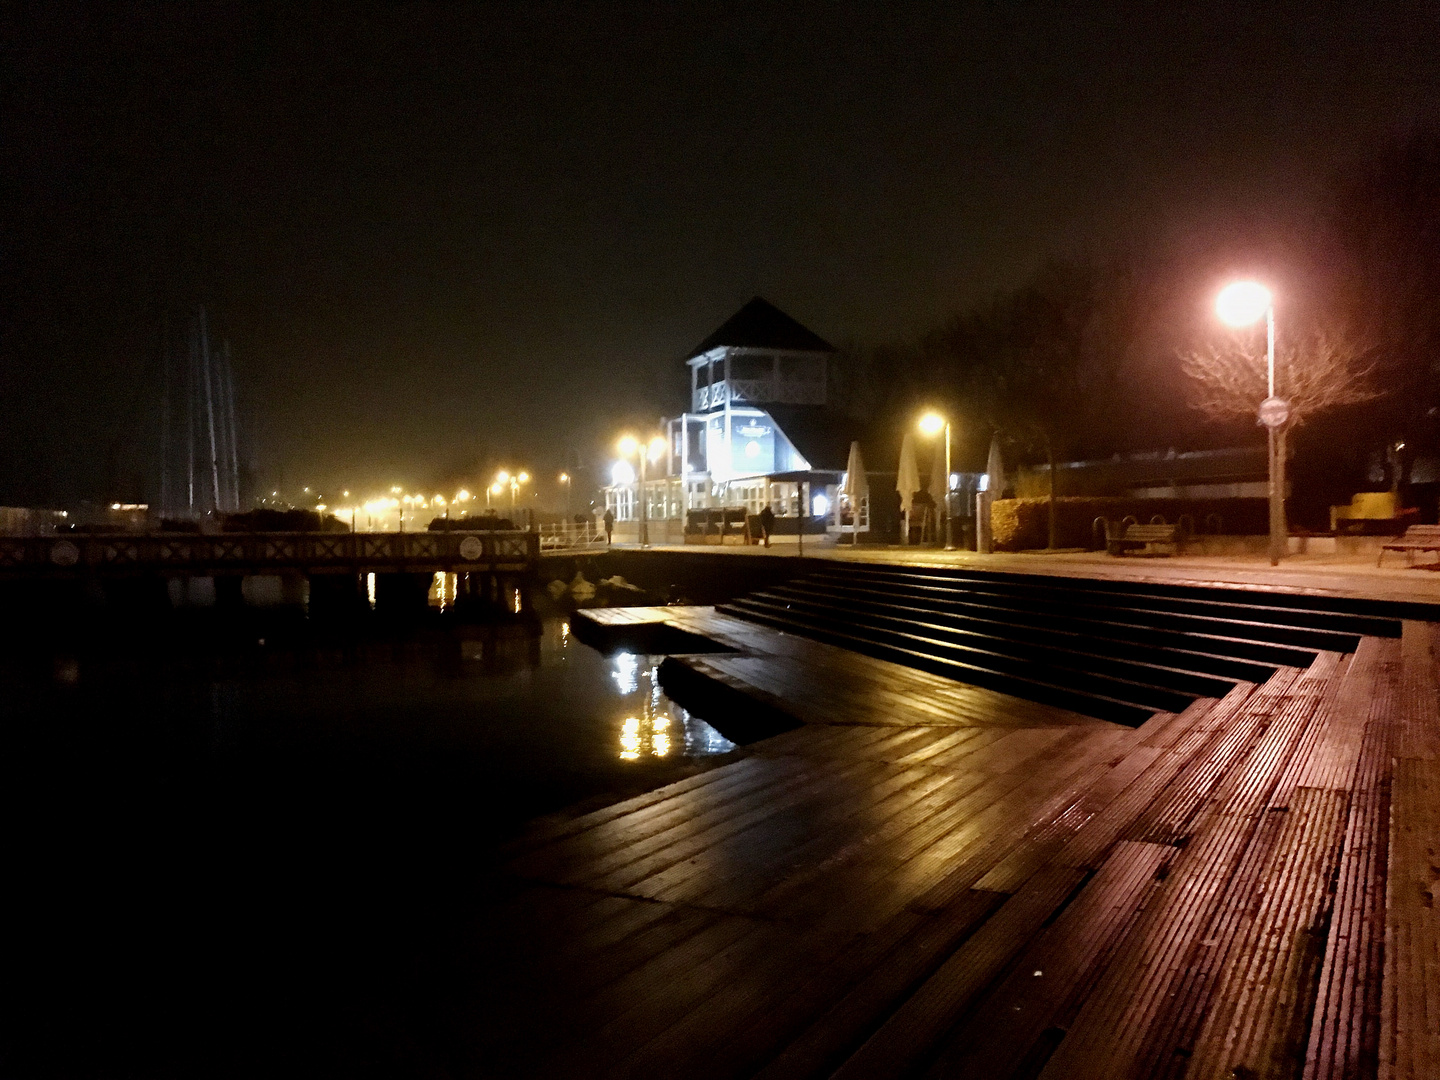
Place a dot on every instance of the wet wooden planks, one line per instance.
(1244, 889)
(820, 683)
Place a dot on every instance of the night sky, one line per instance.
(440, 237)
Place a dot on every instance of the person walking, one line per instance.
(767, 523)
(609, 520)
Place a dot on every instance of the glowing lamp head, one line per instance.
(627, 445)
(523, 478)
(502, 477)
(462, 495)
(656, 449)
(1242, 303)
(932, 423)
(564, 478)
(622, 472)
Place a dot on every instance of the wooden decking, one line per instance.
(928, 879)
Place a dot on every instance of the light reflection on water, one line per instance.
(653, 729)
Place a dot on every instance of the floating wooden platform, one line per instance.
(931, 879)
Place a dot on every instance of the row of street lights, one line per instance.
(503, 479)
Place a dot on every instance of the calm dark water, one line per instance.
(266, 865)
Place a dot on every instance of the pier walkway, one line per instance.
(931, 879)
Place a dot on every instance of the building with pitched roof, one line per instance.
(758, 432)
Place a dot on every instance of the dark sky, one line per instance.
(438, 234)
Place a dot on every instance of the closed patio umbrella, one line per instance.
(907, 481)
(995, 469)
(855, 487)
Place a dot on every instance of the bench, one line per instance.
(1416, 538)
(1146, 538)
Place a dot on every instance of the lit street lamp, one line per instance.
(629, 446)
(565, 481)
(515, 482)
(930, 424)
(1244, 303)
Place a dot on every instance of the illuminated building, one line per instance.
(756, 432)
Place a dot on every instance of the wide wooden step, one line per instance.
(1218, 654)
(1309, 630)
(1122, 710)
(1162, 667)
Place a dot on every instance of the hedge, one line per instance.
(1021, 524)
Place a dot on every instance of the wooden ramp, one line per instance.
(928, 879)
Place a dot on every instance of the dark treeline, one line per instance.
(1086, 359)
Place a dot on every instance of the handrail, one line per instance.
(569, 535)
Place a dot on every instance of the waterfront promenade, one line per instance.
(926, 878)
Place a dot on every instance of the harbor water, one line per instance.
(267, 863)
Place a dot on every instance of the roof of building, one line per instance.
(761, 325)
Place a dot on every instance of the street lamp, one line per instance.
(515, 482)
(629, 446)
(1243, 303)
(930, 424)
(565, 482)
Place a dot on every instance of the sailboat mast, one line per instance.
(210, 412)
(165, 438)
(233, 430)
(191, 401)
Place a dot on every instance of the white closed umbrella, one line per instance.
(907, 481)
(855, 487)
(994, 484)
(995, 469)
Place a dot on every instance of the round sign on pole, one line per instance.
(64, 554)
(1274, 412)
(471, 549)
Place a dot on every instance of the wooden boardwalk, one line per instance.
(929, 879)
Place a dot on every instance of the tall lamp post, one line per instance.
(930, 424)
(1244, 303)
(629, 446)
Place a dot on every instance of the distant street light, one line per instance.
(1243, 303)
(930, 424)
(515, 482)
(565, 481)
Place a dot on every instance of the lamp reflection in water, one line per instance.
(660, 728)
(626, 673)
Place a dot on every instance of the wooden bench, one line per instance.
(1146, 538)
(1416, 538)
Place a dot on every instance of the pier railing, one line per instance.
(175, 554)
(569, 535)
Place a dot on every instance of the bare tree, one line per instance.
(1319, 371)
